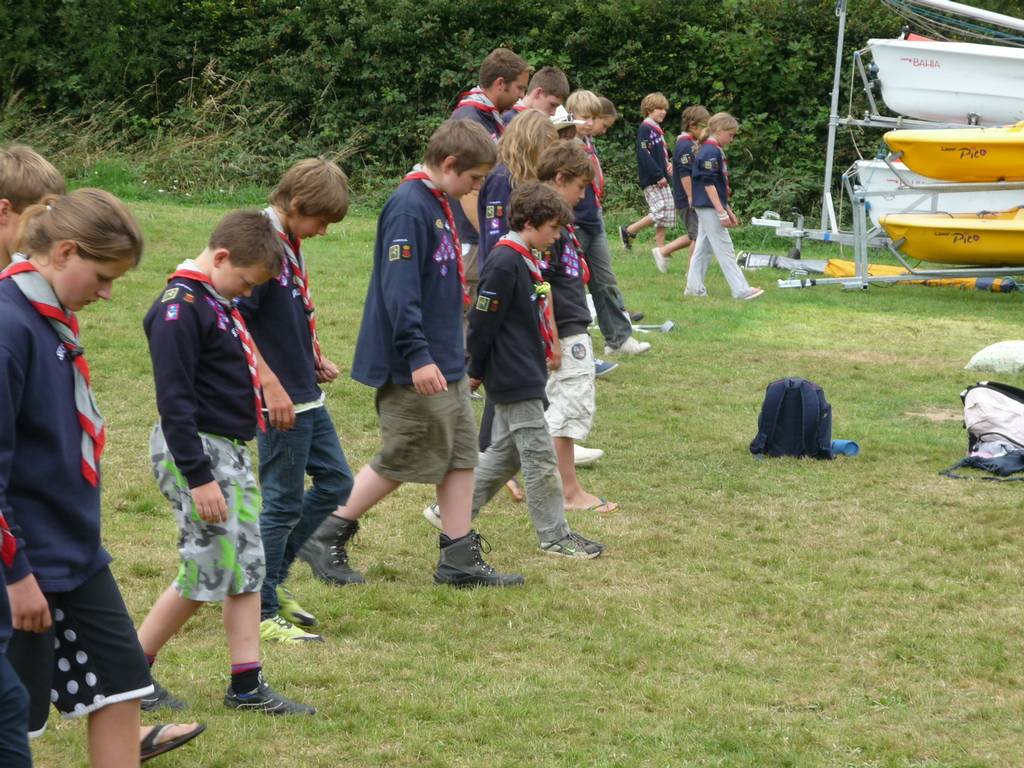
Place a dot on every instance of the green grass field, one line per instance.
(861, 612)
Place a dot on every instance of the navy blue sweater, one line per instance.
(51, 508)
(413, 310)
(202, 379)
(682, 165)
(468, 234)
(562, 268)
(276, 318)
(709, 169)
(492, 209)
(505, 345)
(651, 154)
(5, 615)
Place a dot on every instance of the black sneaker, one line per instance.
(574, 545)
(626, 238)
(265, 699)
(161, 698)
(636, 317)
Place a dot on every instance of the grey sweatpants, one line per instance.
(520, 439)
(713, 239)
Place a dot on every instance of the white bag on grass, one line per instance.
(1002, 357)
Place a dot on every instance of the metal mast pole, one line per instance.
(828, 211)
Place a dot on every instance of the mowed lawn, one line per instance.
(861, 612)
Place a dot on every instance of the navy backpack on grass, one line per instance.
(795, 420)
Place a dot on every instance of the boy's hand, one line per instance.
(662, 182)
(474, 384)
(555, 362)
(210, 503)
(327, 371)
(279, 406)
(732, 217)
(29, 609)
(428, 380)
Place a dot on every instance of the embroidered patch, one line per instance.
(62, 352)
(709, 165)
(490, 212)
(482, 303)
(579, 351)
(406, 251)
(495, 303)
(169, 294)
(438, 223)
(171, 313)
(189, 298)
(394, 252)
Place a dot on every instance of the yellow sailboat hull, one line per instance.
(979, 239)
(963, 154)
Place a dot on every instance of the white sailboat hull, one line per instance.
(951, 82)
(885, 195)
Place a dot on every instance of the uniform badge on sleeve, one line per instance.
(438, 223)
(406, 251)
(482, 303)
(169, 294)
(394, 252)
(171, 313)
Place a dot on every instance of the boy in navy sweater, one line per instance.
(654, 172)
(300, 437)
(503, 76)
(411, 350)
(695, 119)
(548, 89)
(512, 342)
(26, 177)
(210, 403)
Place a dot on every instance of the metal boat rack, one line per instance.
(864, 236)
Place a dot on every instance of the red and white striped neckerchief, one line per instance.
(442, 199)
(543, 304)
(579, 252)
(596, 183)
(292, 249)
(40, 295)
(8, 544)
(725, 163)
(477, 99)
(653, 124)
(244, 338)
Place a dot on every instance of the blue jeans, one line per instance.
(290, 513)
(14, 752)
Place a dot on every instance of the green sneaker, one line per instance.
(290, 610)
(277, 630)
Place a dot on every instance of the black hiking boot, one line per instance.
(326, 555)
(462, 565)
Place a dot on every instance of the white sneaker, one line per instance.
(583, 457)
(659, 260)
(629, 347)
(432, 514)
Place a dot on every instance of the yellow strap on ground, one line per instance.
(843, 268)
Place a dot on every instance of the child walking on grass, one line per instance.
(711, 192)
(654, 172)
(210, 403)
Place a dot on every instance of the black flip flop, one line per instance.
(149, 747)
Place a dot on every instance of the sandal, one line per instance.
(150, 747)
(603, 506)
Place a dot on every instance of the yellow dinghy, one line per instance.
(963, 154)
(979, 239)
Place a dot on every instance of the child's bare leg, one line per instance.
(114, 735)
(168, 614)
(659, 237)
(639, 224)
(572, 491)
(673, 246)
(369, 488)
(242, 626)
(455, 501)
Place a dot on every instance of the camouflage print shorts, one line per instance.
(217, 559)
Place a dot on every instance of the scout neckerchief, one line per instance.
(40, 295)
(477, 99)
(653, 125)
(596, 183)
(540, 287)
(579, 252)
(8, 544)
(442, 198)
(725, 165)
(188, 270)
(298, 264)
